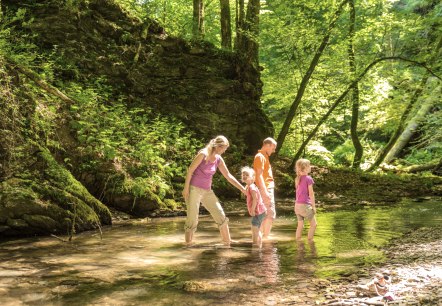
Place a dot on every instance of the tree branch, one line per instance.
(344, 94)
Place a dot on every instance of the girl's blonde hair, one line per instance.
(218, 141)
(301, 165)
(248, 170)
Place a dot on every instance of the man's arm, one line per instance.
(259, 179)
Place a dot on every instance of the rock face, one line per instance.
(44, 187)
(212, 91)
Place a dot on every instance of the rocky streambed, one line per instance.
(415, 265)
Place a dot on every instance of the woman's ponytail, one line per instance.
(218, 141)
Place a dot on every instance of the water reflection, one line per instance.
(146, 263)
(266, 262)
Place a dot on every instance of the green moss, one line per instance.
(49, 201)
(40, 221)
(72, 191)
(170, 204)
(16, 223)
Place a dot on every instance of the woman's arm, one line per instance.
(229, 177)
(311, 194)
(196, 161)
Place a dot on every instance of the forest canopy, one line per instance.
(310, 52)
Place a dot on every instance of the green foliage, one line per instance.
(319, 155)
(429, 146)
(176, 16)
(343, 154)
(149, 150)
(290, 34)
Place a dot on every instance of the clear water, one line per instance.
(145, 263)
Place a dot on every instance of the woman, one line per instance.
(198, 188)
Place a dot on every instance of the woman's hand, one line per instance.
(244, 191)
(185, 194)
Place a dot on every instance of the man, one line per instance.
(265, 183)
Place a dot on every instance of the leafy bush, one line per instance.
(344, 153)
(149, 150)
(318, 154)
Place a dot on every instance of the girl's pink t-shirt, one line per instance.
(260, 207)
(302, 195)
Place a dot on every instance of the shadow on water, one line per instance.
(146, 263)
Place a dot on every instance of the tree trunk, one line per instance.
(341, 97)
(401, 125)
(359, 150)
(407, 111)
(438, 169)
(418, 168)
(239, 23)
(249, 43)
(198, 19)
(226, 29)
(306, 78)
(413, 125)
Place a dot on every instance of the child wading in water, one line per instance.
(305, 198)
(255, 204)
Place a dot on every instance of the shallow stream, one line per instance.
(143, 262)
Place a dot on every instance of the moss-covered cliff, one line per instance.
(138, 105)
(207, 89)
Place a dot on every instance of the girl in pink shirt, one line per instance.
(255, 204)
(305, 198)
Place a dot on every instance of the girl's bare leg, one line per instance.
(311, 231)
(299, 230)
(254, 234)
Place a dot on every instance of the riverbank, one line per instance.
(348, 186)
(415, 265)
(335, 188)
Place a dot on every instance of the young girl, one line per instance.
(255, 204)
(198, 188)
(305, 198)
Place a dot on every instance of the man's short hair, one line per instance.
(269, 140)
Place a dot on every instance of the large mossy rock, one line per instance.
(47, 200)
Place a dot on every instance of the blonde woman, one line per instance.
(305, 198)
(198, 188)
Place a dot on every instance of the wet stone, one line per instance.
(195, 286)
(70, 282)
